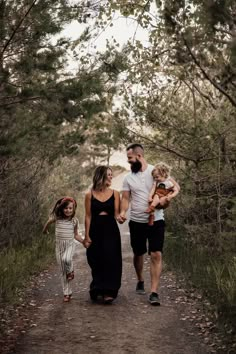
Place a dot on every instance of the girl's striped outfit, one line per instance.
(65, 231)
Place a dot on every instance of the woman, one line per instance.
(102, 236)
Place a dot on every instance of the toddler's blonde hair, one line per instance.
(162, 168)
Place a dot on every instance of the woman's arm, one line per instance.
(117, 203)
(87, 241)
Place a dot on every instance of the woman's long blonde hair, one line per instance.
(100, 176)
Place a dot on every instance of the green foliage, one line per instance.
(212, 274)
(20, 263)
(37, 96)
(181, 37)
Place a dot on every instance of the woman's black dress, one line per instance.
(104, 254)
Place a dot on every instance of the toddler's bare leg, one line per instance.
(164, 203)
(153, 204)
(155, 201)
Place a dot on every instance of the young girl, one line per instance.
(163, 190)
(66, 230)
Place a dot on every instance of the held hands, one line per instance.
(79, 238)
(87, 242)
(121, 218)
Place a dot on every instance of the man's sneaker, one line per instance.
(140, 288)
(154, 299)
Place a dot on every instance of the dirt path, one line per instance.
(129, 325)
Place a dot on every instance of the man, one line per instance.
(136, 188)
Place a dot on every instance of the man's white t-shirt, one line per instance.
(139, 185)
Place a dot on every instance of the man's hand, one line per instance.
(168, 197)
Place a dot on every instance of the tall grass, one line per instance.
(207, 270)
(18, 264)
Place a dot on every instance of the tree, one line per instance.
(44, 109)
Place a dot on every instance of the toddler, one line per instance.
(163, 190)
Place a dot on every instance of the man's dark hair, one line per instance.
(135, 147)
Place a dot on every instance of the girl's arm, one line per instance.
(117, 203)
(176, 189)
(77, 235)
(87, 241)
(51, 220)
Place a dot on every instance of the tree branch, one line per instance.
(201, 93)
(17, 27)
(205, 74)
(165, 148)
(21, 101)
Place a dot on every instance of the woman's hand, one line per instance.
(87, 242)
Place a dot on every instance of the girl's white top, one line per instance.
(65, 229)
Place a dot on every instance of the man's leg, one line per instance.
(155, 270)
(138, 266)
(138, 244)
(156, 241)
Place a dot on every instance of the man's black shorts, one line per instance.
(141, 232)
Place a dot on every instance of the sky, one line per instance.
(122, 30)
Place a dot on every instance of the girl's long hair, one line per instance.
(100, 176)
(60, 205)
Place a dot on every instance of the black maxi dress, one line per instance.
(104, 254)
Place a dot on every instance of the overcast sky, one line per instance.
(122, 30)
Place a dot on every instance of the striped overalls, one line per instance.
(65, 230)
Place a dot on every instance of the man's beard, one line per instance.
(136, 166)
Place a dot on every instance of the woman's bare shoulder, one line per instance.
(116, 193)
(88, 193)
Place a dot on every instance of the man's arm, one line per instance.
(176, 190)
(175, 183)
(125, 198)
